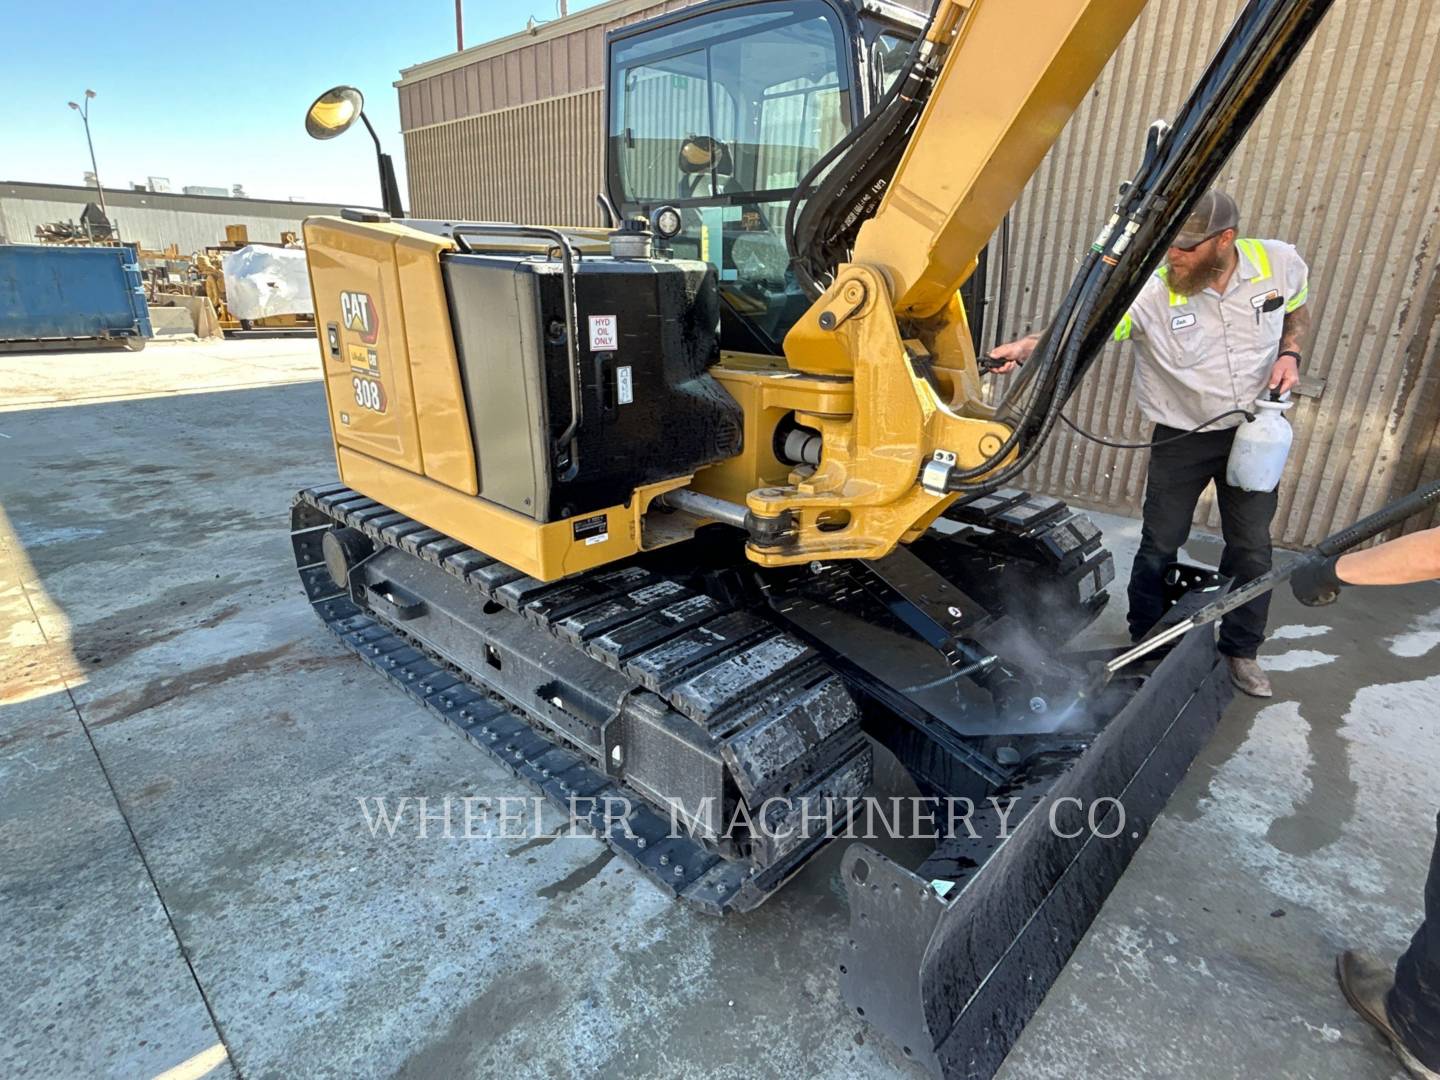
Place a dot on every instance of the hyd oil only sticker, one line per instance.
(604, 335)
(592, 530)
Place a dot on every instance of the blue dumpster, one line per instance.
(51, 294)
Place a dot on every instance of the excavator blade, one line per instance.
(952, 958)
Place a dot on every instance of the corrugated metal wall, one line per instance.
(515, 133)
(151, 219)
(540, 163)
(528, 73)
(1345, 163)
(521, 69)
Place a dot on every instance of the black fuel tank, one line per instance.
(647, 329)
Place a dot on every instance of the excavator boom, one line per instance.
(895, 226)
(1013, 74)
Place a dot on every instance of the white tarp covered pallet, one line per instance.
(261, 281)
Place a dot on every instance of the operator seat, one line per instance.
(703, 162)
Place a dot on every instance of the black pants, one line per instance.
(1414, 1004)
(1179, 473)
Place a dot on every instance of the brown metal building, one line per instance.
(513, 130)
(1344, 162)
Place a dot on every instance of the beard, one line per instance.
(1197, 279)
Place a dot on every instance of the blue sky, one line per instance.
(211, 94)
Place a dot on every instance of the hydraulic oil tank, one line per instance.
(646, 331)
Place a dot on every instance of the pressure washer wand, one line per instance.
(1376, 523)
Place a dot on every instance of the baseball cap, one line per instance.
(1214, 213)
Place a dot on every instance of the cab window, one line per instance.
(722, 117)
(738, 104)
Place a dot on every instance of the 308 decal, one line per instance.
(369, 393)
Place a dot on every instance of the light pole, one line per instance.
(94, 169)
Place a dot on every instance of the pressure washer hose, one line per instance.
(1367, 527)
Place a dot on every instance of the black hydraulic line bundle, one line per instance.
(1179, 167)
(1257, 52)
(844, 187)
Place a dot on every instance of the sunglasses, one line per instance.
(1192, 247)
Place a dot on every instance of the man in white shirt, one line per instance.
(1222, 323)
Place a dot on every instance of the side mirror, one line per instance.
(333, 112)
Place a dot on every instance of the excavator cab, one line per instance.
(720, 110)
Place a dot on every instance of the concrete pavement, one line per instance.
(188, 881)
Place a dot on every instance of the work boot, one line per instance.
(1366, 984)
(1249, 676)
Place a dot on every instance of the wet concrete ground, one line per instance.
(187, 881)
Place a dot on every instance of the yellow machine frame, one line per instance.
(849, 369)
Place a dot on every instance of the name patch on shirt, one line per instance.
(1267, 301)
(1180, 322)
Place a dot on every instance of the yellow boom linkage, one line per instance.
(994, 112)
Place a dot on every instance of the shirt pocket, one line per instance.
(1187, 340)
(1272, 326)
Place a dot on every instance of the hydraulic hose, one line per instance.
(1002, 285)
(820, 224)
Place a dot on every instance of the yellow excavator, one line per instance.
(686, 519)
